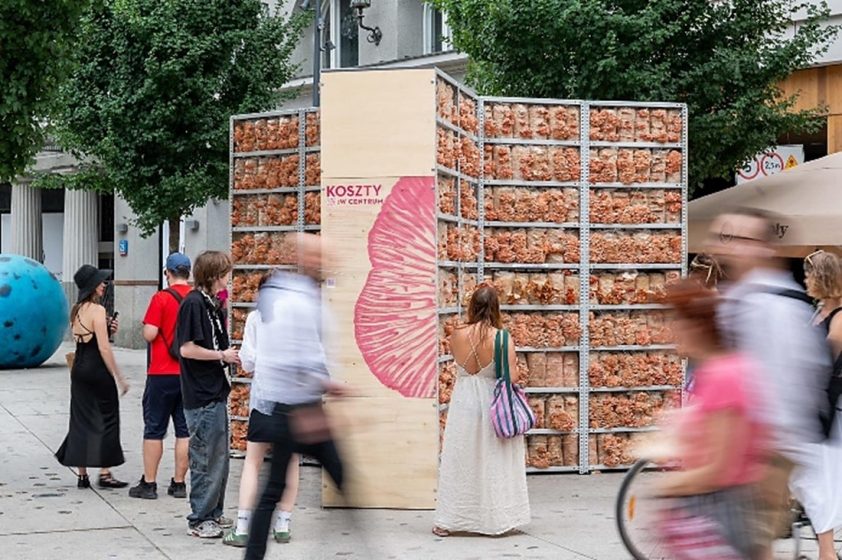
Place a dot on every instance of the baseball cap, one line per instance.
(178, 261)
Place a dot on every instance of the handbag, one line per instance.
(511, 414)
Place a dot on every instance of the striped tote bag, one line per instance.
(510, 412)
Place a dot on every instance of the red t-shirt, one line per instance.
(162, 313)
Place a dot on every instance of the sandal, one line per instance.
(83, 481)
(107, 480)
(439, 532)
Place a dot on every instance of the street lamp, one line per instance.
(374, 33)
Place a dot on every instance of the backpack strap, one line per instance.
(174, 294)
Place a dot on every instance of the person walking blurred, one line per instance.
(205, 350)
(766, 315)
(718, 441)
(255, 358)
(162, 395)
(816, 483)
(294, 377)
(96, 383)
(482, 478)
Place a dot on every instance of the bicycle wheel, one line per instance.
(635, 511)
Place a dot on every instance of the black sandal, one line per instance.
(83, 481)
(108, 481)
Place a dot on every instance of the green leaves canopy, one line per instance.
(724, 59)
(36, 39)
(155, 85)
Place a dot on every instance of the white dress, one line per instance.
(482, 478)
(815, 482)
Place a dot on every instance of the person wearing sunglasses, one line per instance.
(766, 315)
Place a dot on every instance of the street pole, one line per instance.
(317, 52)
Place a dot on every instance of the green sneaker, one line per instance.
(232, 538)
(282, 536)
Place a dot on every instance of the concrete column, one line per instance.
(81, 235)
(27, 234)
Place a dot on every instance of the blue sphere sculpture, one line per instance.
(33, 312)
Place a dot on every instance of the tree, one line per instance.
(36, 39)
(156, 83)
(724, 59)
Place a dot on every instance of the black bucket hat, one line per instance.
(87, 279)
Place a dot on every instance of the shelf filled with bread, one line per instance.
(275, 190)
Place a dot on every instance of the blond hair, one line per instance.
(824, 275)
(210, 266)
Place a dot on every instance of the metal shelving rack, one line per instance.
(300, 190)
(584, 267)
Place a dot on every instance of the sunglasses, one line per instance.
(808, 261)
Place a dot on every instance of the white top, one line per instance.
(282, 344)
(776, 331)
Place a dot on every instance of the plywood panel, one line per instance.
(834, 133)
(380, 289)
(378, 123)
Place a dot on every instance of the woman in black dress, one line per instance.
(93, 439)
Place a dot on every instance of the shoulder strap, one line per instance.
(831, 315)
(174, 294)
(501, 355)
(794, 294)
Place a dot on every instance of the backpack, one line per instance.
(834, 379)
(172, 346)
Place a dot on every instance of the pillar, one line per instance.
(81, 235)
(27, 232)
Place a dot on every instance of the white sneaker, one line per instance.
(206, 530)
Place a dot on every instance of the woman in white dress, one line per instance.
(816, 483)
(482, 478)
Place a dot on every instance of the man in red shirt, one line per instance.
(162, 397)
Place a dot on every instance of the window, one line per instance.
(348, 44)
(436, 31)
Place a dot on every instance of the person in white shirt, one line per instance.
(259, 440)
(292, 376)
(766, 314)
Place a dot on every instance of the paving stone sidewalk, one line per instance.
(43, 515)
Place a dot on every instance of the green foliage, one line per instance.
(155, 86)
(724, 59)
(36, 39)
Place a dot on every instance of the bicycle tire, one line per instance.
(619, 513)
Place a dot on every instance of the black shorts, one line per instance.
(261, 428)
(162, 401)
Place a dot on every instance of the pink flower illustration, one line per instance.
(395, 316)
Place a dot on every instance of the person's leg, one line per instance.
(153, 450)
(327, 454)
(262, 517)
(827, 549)
(202, 501)
(155, 420)
(281, 531)
(182, 442)
(219, 453)
(255, 454)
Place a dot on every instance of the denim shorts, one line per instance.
(162, 401)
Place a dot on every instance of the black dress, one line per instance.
(93, 438)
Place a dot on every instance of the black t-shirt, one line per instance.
(202, 381)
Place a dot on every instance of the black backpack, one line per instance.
(172, 346)
(834, 379)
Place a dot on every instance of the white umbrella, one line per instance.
(807, 200)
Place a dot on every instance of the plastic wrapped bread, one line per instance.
(468, 115)
(537, 452)
(504, 164)
(446, 151)
(558, 417)
(539, 121)
(521, 119)
(603, 165)
(626, 116)
(446, 101)
(554, 451)
(570, 450)
(658, 126)
(447, 195)
(238, 400)
(675, 126)
(555, 369)
(447, 380)
(468, 200)
(537, 404)
(537, 365)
